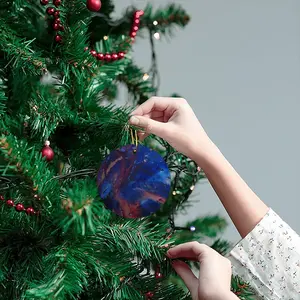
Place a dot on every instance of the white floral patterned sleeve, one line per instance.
(269, 259)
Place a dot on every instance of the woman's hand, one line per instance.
(173, 120)
(215, 272)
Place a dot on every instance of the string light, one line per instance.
(174, 193)
(105, 37)
(192, 228)
(192, 187)
(155, 23)
(156, 35)
(146, 77)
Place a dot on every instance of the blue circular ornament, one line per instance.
(134, 181)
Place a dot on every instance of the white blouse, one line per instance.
(269, 259)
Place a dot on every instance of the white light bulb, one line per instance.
(146, 77)
(156, 35)
(192, 228)
(155, 23)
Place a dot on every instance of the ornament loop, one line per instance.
(134, 137)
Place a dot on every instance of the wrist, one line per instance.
(208, 157)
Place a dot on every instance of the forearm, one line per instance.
(243, 206)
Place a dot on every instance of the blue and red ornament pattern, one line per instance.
(134, 181)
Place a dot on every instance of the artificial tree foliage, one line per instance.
(68, 245)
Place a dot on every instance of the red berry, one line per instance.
(135, 28)
(10, 203)
(94, 53)
(58, 39)
(44, 2)
(1, 198)
(57, 20)
(86, 48)
(93, 5)
(121, 55)
(57, 2)
(133, 34)
(149, 294)
(20, 207)
(50, 10)
(114, 56)
(47, 151)
(56, 14)
(136, 22)
(61, 28)
(138, 14)
(100, 56)
(30, 211)
(55, 26)
(158, 275)
(107, 57)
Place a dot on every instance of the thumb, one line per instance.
(148, 125)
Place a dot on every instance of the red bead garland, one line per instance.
(51, 11)
(108, 57)
(10, 203)
(19, 207)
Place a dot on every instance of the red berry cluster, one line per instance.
(149, 295)
(117, 56)
(51, 11)
(136, 24)
(19, 207)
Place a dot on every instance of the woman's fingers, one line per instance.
(153, 104)
(192, 250)
(184, 271)
(148, 125)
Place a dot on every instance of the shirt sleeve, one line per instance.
(269, 259)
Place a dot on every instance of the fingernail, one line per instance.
(134, 121)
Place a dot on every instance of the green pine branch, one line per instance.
(82, 211)
(242, 289)
(26, 162)
(19, 52)
(3, 97)
(221, 246)
(135, 236)
(165, 20)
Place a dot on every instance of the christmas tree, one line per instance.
(61, 66)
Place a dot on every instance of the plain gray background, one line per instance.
(238, 65)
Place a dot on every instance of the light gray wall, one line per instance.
(238, 64)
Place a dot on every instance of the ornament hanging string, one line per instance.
(134, 137)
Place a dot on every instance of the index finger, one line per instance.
(153, 104)
(191, 250)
